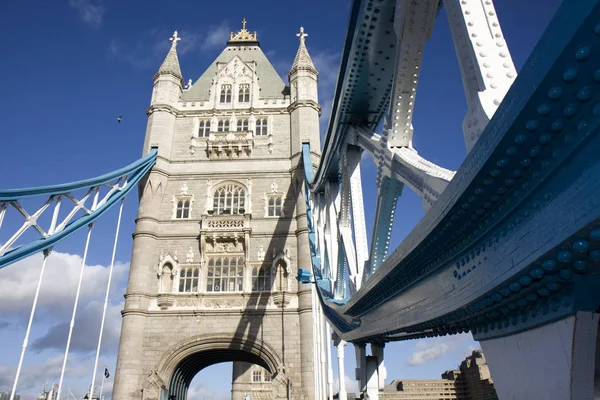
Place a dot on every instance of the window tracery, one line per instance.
(225, 94)
(261, 127)
(229, 199)
(204, 129)
(244, 93)
(225, 274)
(223, 125)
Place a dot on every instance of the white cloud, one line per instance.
(90, 11)
(44, 358)
(351, 385)
(432, 349)
(216, 36)
(429, 353)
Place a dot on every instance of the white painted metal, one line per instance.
(404, 164)
(72, 324)
(372, 386)
(110, 272)
(36, 296)
(557, 359)
(378, 352)
(31, 220)
(315, 336)
(342, 394)
(28, 331)
(332, 201)
(413, 25)
(485, 63)
(329, 365)
(353, 156)
(3, 207)
(101, 385)
(323, 353)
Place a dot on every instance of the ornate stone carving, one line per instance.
(223, 303)
(261, 254)
(190, 256)
(186, 302)
(165, 301)
(184, 189)
(225, 223)
(152, 386)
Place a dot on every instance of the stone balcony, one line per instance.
(225, 226)
(225, 145)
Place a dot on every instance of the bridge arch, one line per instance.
(184, 360)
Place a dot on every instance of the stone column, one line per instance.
(554, 361)
(304, 294)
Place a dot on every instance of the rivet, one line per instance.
(525, 280)
(526, 162)
(545, 138)
(544, 109)
(570, 75)
(515, 287)
(495, 173)
(537, 273)
(503, 162)
(584, 94)
(544, 292)
(532, 125)
(580, 245)
(582, 54)
(511, 150)
(521, 138)
(535, 151)
(565, 274)
(553, 286)
(570, 110)
(555, 92)
(595, 234)
(580, 266)
(564, 256)
(549, 265)
(557, 125)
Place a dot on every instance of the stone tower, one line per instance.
(221, 230)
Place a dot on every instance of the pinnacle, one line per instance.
(171, 63)
(303, 60)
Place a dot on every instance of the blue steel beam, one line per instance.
(514, 240)
(133, 173)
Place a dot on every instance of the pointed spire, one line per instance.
(303, 60)
(171, 63)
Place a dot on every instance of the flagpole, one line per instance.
(102, 384)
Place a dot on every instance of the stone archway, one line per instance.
(184, 360)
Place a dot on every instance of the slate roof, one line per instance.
(271, 84)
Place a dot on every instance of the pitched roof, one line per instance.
(271, 84)
(171, 63)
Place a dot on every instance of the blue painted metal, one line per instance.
(514, 240)
(134, 173)
(389, 191)
(366, 73)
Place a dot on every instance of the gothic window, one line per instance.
(183, 208)
(223, 125)
(188, 280)
(257, 376)
(268, 377)
(225, 274)
(261, 279)
(204, 129)
(225, 94)
(229, 199)
(261, 127)
(244, 93)
(274, 205)
(242, 125)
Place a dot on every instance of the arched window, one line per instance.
(242, 125)
(223, 125)
(261, 127)
(229, 199)
(225, 94)
(204, 129)
(183, 208)
(244, 93)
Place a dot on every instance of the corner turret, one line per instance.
(304, 106)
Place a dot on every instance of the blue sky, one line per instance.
(70, 67)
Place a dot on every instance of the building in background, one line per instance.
(6, 396)
(472, 381)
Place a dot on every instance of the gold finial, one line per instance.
(243, 35)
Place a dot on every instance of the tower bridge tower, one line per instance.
(221, 230)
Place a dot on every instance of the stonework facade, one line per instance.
(221, 230)
(472, 381)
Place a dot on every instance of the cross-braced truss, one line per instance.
(99, 194)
